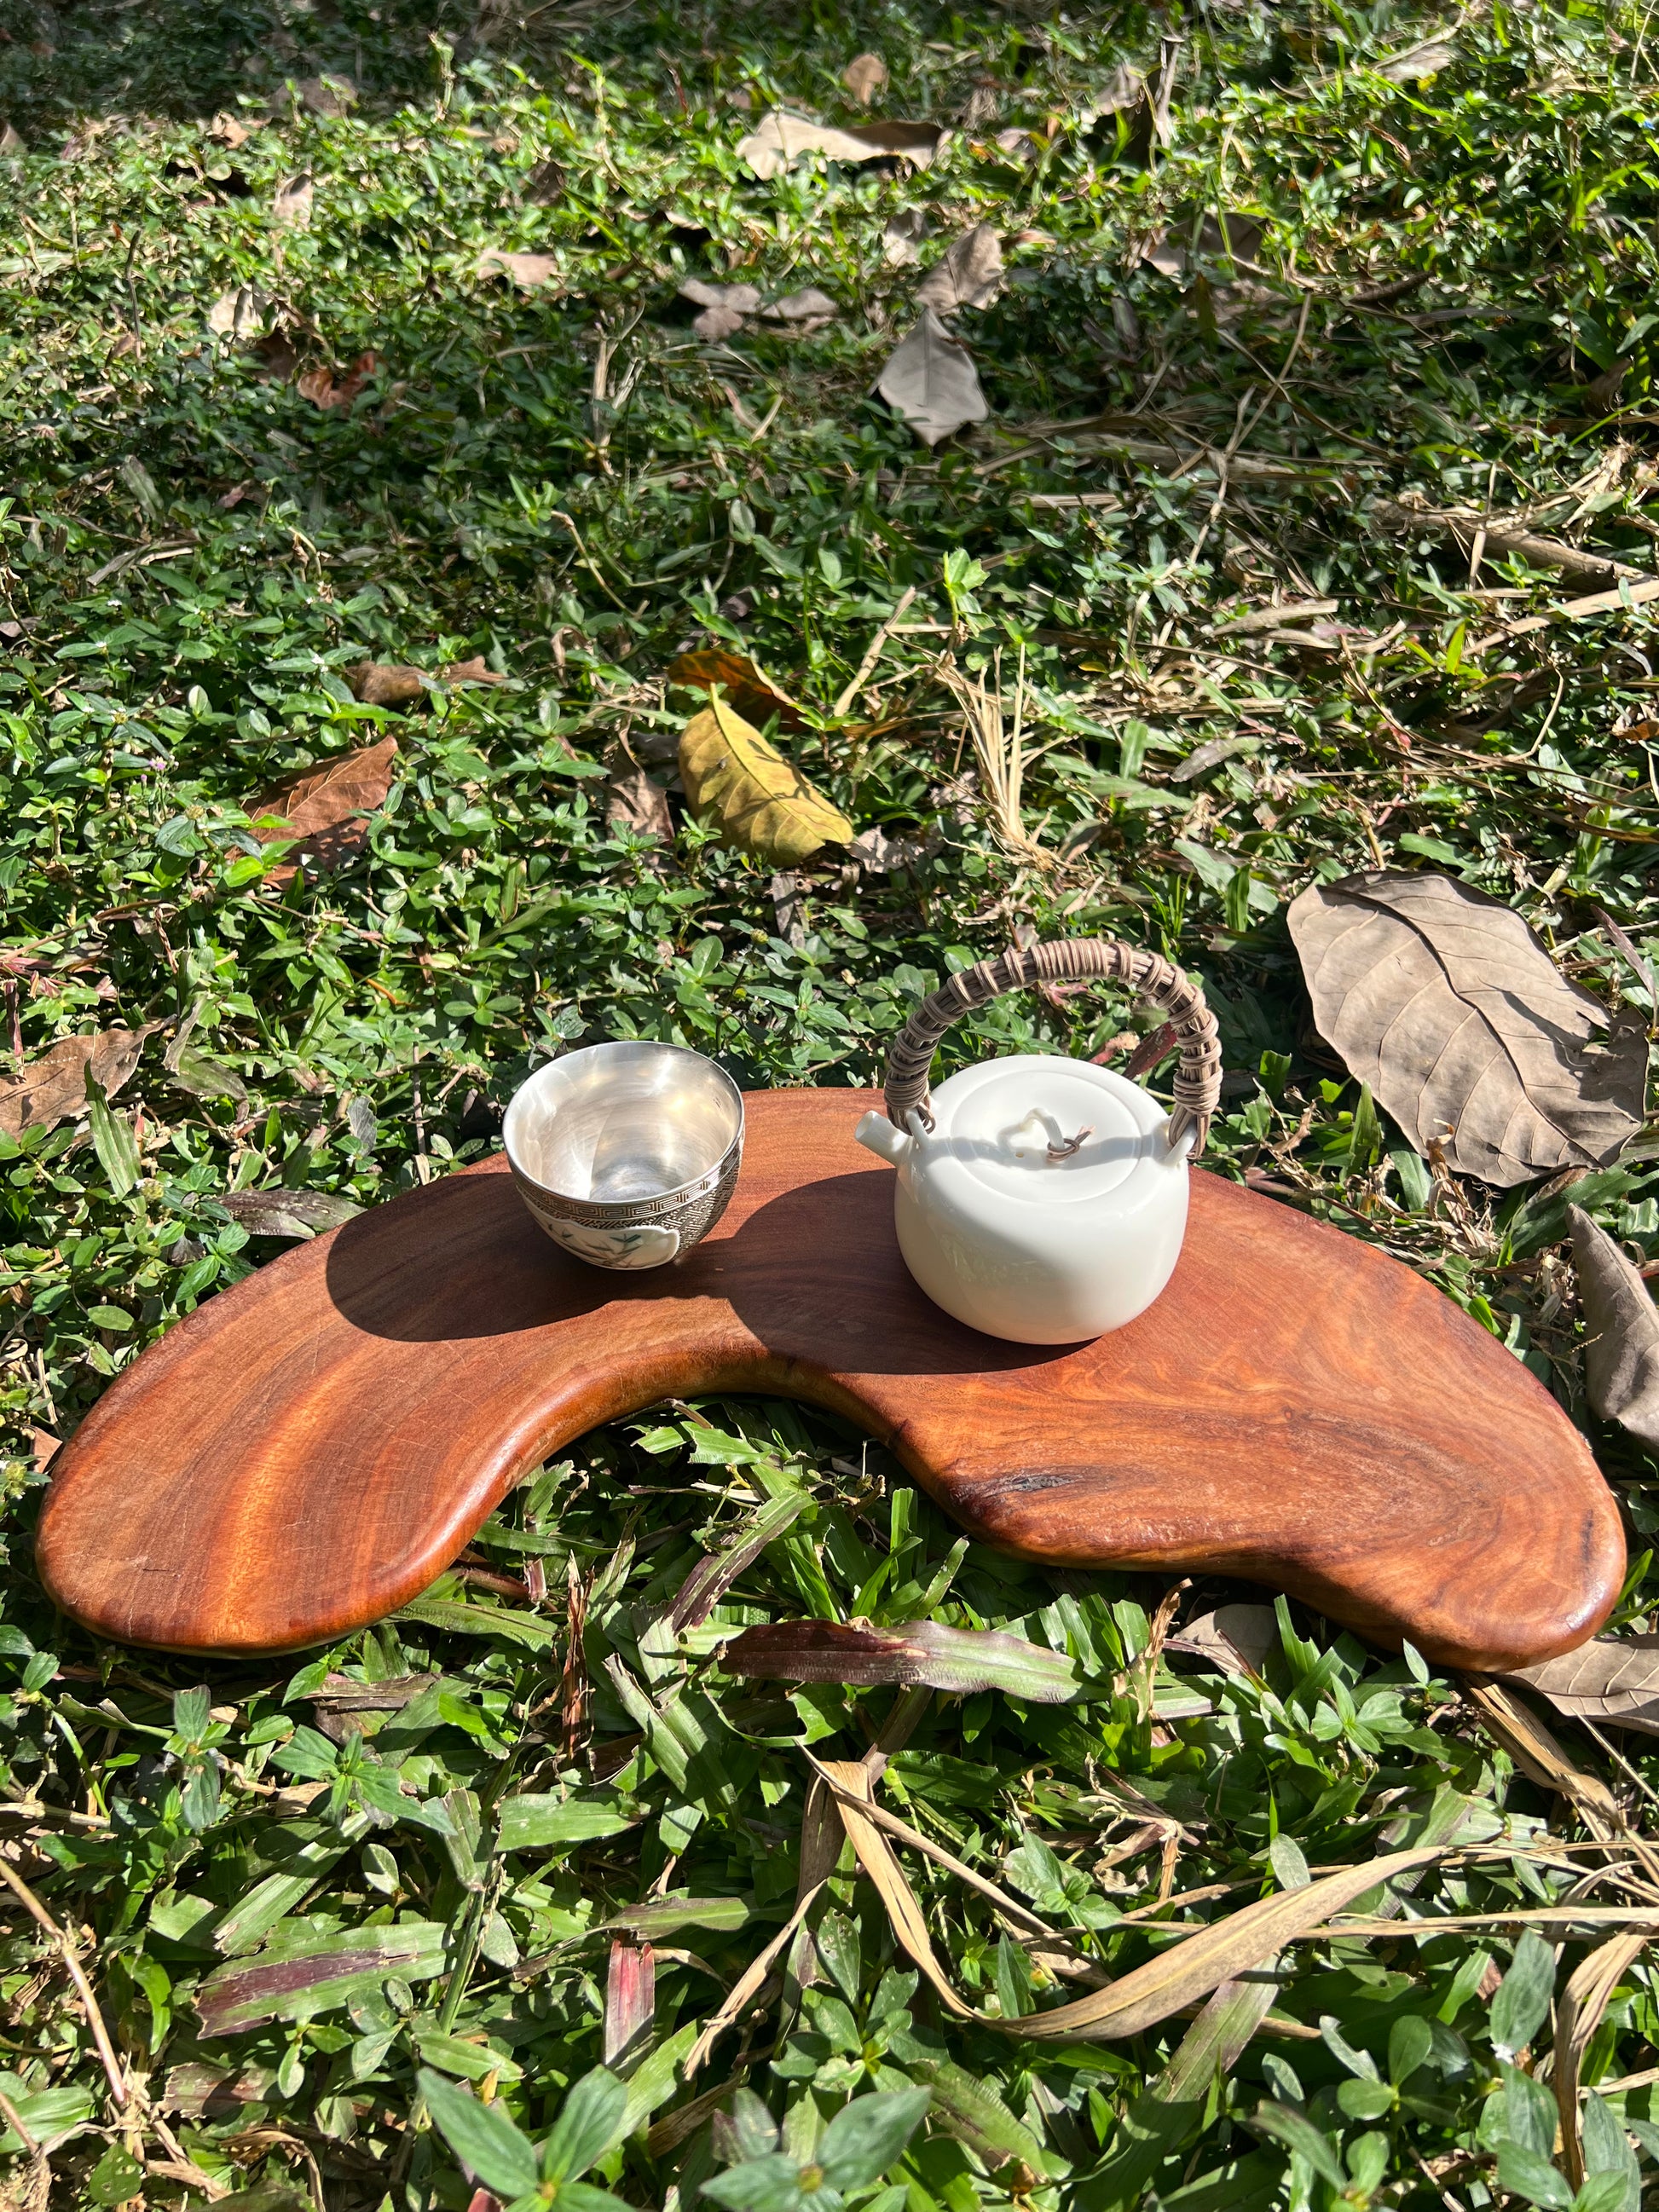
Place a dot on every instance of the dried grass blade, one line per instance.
(1578, 2015)
(1542, 1760)
(1150, 1993)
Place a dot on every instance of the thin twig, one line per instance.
(112, 2068)
(877, 646)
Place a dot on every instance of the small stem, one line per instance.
(118, 2083)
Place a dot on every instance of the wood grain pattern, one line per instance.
(311, 1447)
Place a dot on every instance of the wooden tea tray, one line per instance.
(308, 1450)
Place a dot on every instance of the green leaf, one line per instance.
(759, 2184)
(588, 2124)
(313, 1974)
(1525, 2174)
(117, 2178)
(1410, 2041)
(1297, 2133)
(533, 1823)
(1364, 2100)
(865, 2136)
(482, 2136)
(1523, 1998)
(112, 1140)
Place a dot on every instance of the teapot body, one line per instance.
(1046, 1205)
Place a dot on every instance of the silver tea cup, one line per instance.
(627, 1154)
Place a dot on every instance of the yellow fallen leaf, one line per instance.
(762, 803)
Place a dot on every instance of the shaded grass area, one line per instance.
(1448, 299)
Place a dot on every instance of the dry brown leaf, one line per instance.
(320, 386)
(754, 696)
(1542, 1760)
(240, 314)
(725, 306)
(381, 683)
(325, 809)
(328, 96)
(526, 270)
(1139, 2000)
(1621, 1330)
(232, 130)
(1236, 1639)
(630, 2002)
(931, 379)
(781, 138)
(633, 801)
(476, 671)
(292, 206)
(288, 1213)
(1612, 1679)
(761, 802)
(901, 236)
(52, 1087)
(1445, 1003)
(809, 307)
(971, 275)
(865, 75)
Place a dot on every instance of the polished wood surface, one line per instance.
(311, 1447)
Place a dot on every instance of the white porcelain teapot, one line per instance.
(1039, 1198)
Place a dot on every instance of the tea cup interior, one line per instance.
(621, 1123)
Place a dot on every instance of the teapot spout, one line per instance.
(877, 1134)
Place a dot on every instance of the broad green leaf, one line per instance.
(112, 1139)
(1522, 2001)
(1297, 2133)
(865, 2136)
(1526, 2173)
(534, 1823)
(960, 1660)
(315, 1974)
(771, 2183)
(590, 2120)
(482, 2136)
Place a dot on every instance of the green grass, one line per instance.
(192, 553)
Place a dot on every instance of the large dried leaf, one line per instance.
(288, 1212)
(324, 390)
(52, 1087)
(865, 75)
(971, 275)
(762, 805)
(1621, 1330)
(292, 206)
(753, 694)
(1444, 1002)
(633, 800)
(326, 809)
(780, 139)
(931, 379)
(382, 683)
(529, 271)
(1234, 1639)
(317, 1973)
(960, 1660)
(901, 239)
(1612, 1679)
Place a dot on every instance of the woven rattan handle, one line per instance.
(1068, 960)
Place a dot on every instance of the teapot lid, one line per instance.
(1044, 1129)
